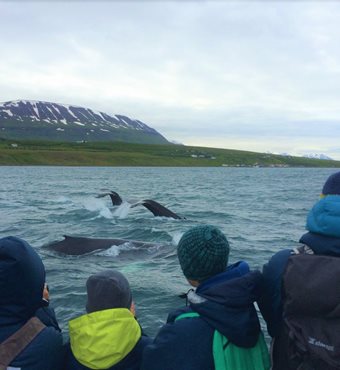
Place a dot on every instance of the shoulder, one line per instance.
(277, 263)
(189, 338)
(45, 352)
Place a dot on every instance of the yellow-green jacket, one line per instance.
(108, 339)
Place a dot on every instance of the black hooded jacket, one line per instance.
(22, 278)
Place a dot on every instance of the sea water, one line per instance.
(260, 210)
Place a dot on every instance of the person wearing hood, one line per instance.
(108, 336)
(30, 338)
(221, 306)
(304, 294)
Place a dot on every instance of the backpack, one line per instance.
(310, 339)
(228, 356)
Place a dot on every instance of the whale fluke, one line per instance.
(115, 197)
(157, 209)
(76, 246)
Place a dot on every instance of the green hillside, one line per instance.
(19, 153)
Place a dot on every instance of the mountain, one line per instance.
(25, 119)
(318, 156)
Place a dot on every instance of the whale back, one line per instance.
(76, 246)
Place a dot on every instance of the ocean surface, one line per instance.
(261, 210)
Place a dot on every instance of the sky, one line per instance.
(253, 75)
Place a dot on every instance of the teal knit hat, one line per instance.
(203, 252)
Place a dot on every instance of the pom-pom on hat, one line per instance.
(107, 289)
(203, 252)
(332, 185)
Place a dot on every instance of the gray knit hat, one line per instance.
(203, 252)
(107, 289)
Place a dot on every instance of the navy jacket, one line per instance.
(323, 223)
(225, 303)
(22, 278)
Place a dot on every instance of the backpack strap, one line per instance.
(185, 315)
(17, 342)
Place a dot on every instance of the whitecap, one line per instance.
(97, 205)
(113, 251)
(123, 210)
(176, 237)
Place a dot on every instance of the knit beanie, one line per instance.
(332, 185)
(203, 252)
(107, 289)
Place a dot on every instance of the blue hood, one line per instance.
(228, 303)
(324, 217)
(22, 278)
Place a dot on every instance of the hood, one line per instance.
(101, 339)
(22, 278)
(226, 302)
(321, 244)
(324, 217)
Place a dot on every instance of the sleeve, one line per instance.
(270, 301)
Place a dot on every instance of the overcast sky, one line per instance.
(260, 76)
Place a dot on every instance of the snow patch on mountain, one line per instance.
(36, 119)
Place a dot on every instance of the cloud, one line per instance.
(259, 74)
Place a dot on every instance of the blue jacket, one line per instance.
(22, 278)
(225, 303)
(323, 224)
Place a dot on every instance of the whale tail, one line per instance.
(115, 197)
(157, 209)
(154, 207)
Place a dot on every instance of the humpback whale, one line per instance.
(156, 208)
(115, 197)
(76, 246)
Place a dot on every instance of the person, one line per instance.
(219, 328)
(29, 333)
(108, 336)
(301, 296)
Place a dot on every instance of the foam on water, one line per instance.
(98, 205)
(113, 251)
(123, 210)
(176, 236)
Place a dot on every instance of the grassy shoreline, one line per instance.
(44, 153)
